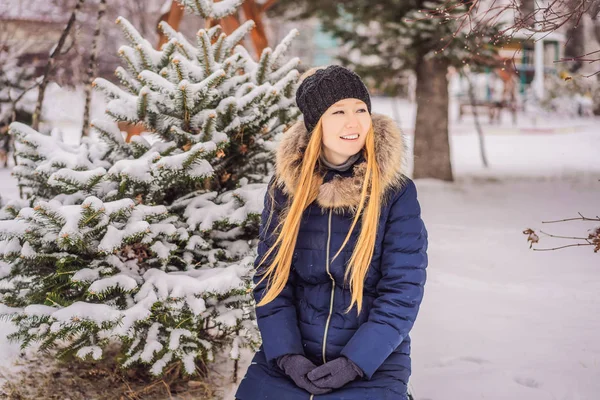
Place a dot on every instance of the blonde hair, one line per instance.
(305, 192)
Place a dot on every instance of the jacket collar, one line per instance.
(342, 191)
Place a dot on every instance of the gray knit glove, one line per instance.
(296, 366)
(335, 374)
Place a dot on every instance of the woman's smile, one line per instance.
(351, 137)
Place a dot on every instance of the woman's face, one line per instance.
(345, 127)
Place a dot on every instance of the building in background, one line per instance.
(534, 56)
(28, 29)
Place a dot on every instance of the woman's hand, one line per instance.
(296, 366)
(335, 374)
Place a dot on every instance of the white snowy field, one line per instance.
(499, 321)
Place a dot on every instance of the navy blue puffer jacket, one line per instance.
(307, 317)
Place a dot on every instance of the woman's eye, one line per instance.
(362, 109)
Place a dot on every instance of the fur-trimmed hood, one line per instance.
(344, 192)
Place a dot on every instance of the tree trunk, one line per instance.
(525, 13)
(595, 14)
(431, 144)
(57, 49)
(476, 118)
(576, 38)
(92, 67)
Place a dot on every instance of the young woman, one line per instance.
(342, 253)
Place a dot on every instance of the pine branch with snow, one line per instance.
(213, 91)
(43, 160)
(210, 8)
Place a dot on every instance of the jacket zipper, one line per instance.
(312, 396)
(332, 287)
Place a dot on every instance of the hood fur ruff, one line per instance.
(344, 192)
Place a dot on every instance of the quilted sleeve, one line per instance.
(277, 321)
(400, 289)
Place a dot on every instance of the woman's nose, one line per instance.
(351, 121)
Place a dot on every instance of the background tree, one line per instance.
(382, 40)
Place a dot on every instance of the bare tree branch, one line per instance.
(563, 247)
(580, 218)
(530, 17)
(92, 68)
(593, 238)
(51, 61)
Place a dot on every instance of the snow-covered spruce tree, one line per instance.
(151, 244)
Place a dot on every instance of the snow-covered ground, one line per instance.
(499, 321)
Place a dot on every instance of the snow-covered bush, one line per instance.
(570, 96)
(151, 243)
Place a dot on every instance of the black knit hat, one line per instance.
(326, 87)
